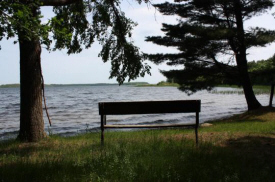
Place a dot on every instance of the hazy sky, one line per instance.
(87, 67)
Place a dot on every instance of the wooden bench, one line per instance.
(149, 107)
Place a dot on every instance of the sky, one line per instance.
(87, 67)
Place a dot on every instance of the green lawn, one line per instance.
(241, 148)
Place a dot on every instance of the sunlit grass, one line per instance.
(241, 148)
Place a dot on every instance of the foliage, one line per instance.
(201, 76)
(159, 84)
(76, 26)
(263, 71)
(167, 84)
(229, 150)
(211, 41)
(17, 17)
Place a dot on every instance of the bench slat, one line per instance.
(149, 107)
(149, 126)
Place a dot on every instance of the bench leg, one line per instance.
(102, 128)
(102, 137)
(196, 133)
(104, 119)
(196, 128)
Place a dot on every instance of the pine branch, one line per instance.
(58, 2)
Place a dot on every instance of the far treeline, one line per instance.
(262, 72)
(66, 85)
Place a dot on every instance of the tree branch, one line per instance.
(58, 2)
(119, 22)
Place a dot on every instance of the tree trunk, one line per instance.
(31, 111)
(240, 52)
(271, 95)
(251, 100)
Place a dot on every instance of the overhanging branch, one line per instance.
(58, 2)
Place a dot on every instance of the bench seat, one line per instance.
(149, 107)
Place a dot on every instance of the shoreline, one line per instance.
(13, 134)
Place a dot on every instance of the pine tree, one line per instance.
(212, 43)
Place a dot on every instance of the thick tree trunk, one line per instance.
(251, 100)
(31, 111)
(239, 48)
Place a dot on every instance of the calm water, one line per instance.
(74, 109)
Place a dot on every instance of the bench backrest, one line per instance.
(149, 107)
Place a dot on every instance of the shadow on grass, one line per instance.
(39, 172)
(249, 158)
(261, 148)
(14, 147)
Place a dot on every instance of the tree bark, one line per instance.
(31, 111)
(240, 54)
(251, 100)
(271, 95)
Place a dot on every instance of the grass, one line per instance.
(240, 148)
(258, 89)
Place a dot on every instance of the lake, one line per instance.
(74, 109)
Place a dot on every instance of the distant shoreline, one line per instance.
(258, 89)
(91, 84)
